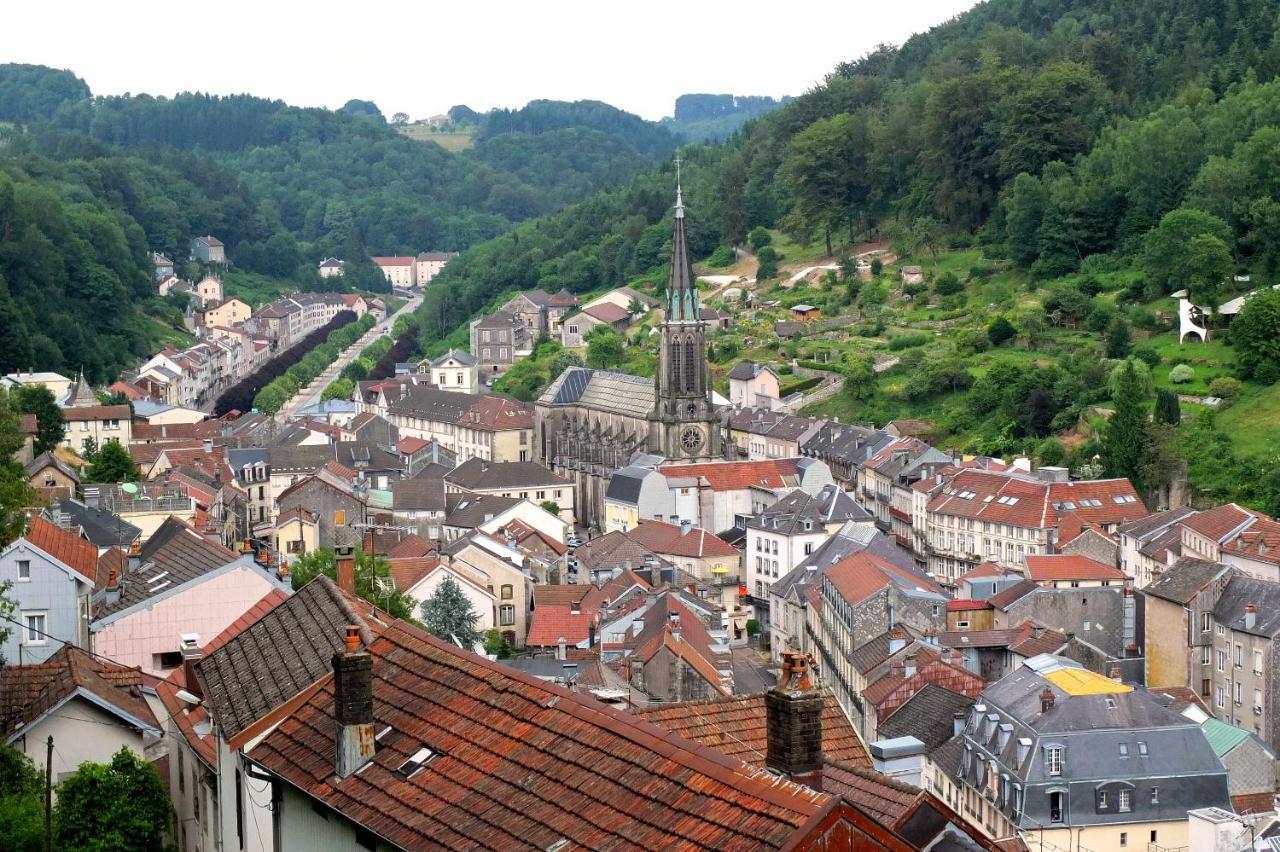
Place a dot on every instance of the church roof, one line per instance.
(682, 289)
(82, 396)
(602, 390)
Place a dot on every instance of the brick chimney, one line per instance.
(1046, 700)
(353, 705)
(113, 588)
(794, 724)
(346, 568)
(1116, 675)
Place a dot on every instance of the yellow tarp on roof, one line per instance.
(1083, 682)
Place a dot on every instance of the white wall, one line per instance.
(82, 732)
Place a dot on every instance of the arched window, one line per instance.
(677, 355)
(691, 364)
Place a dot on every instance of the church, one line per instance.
(590, 423)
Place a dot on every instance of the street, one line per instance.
(751, 673)
(310, 394)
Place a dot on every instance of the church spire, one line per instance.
(682, 292)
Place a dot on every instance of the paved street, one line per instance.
(311, 393)
(751, 673)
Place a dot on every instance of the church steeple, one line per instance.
(682, 292)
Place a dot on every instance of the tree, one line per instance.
(341, 388)
(1001, 331)
(121, 805)
(926, 233)
(1209, 265)
(111, 463)
(1124, 444)
(860, 379)
(1167, 255)
(1168, 409)
(759, 238)
(948, 284)
(550, 506)
(767, 267)
(1118, 338)
(50, 425)
(1255, 332)
(448, 614)
(825, 176)
(368, 567)
(1181, 374)
(1051, 452)
(21, 802)
(495, 645)
(877, 266)
(400, 119)
(605, 348)
(1031, 326)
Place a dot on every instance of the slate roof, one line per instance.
(279, 655)
(420, 493)
(431, 403)
(608, 312)
(28, 692)
(1144, 527)
(601, 390)
(48, 459)
(476, 474)
(1183, 580)
(788, 516)
(736, 726)
(175, 554)
(524, 764)
(98, 525)
(928, 716)
(696, 543)
(1241, 591)
(746, 371)
(471, 510)
(460, 356)
(65, 546)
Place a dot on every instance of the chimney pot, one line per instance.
(1115, 674)
(1046, 700)
(191, 654)
(794, 724)
(353, 705)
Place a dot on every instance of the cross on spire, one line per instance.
(679, 195)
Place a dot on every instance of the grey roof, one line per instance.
(174, 555)
(47, 458)
(431, 403)
(1183, 580)
(461, 356)
(872, 653)
(602, 390)
(278, 656)
(745, 370)
(420, 493)
(1169, 539)
(359, 455)
(790, 515)
(928, 716)
(624, 484)
(775, 424)
(476, 474)
(1236, 597)
(851, 445)
(101, 527)
(471, 510)
(1155, 523)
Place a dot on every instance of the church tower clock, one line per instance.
(684, 425)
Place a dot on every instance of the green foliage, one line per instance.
(111, 463)
(877, 267)
(1124, 442)
(1051, 452)
(948, 284)
(1119, 339)
(1173, 254)
(448, 614)
(117, 806)
(341, 388)
(495, 645)
(1001, 331)
(767, 269)
(1131, 370)
(899, 342)
(1168, 410)
(1181, 374)
(1255, 332)
(50, 424)
(280, 390)
(21, 802)
(604, 348)
(759, 238)
(753, 628)
(1224, 387)
(723, 256)
(368, 566)
(550, 506)
(860, 379)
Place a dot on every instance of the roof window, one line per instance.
(414, 764)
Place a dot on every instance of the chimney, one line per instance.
(901, 758)
(685, 526)
(655, 575)
(1046, 700)
(113, 588)
(1115, 674)
(191, 654)
(353, 705)
(897, 641)
(794, 724)
(909, 668)
(208, 445)
(346, 568)
(957, 724)
(1250, 616)
(591, 634)
(561, 649)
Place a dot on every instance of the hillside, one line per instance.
(714, 118)
(1069, 163)
(281, 186)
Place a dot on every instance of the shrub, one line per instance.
(759, 238)
(721, 257)
(906, 341)
(1147, 355)
(1181, 374)
(1001, 331)
(1224, 387)
(948, 284)
(1267, 373)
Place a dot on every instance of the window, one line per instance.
(167, 660)
(35, 624)
(1142, 748)
(1056, 800)
(962, 625)
(1125, 803)
(24, 569)
(182, 773)
(508, 592)
(1206, 618)
(1237, 694)
(1222, 660)
(1154, 835)
(1257, 662)
(1124, 838)
(1053, 758)
(340, 518)
(1102, 800)
(1220, 697)
(1239, 659)
(507, 614)
(1206, 655)
(1124, 749)
(1155, 800)
(808, 548)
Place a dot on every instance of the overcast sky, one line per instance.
(423, 57)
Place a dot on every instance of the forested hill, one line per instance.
(281, 186)
(714, 118)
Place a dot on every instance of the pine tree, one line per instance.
(1167, 408)
(448, 614)
(1118, 338)
(1124, 445)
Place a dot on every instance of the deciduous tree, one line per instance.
(120, 805)
(448, 613)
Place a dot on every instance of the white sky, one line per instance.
(423, 57)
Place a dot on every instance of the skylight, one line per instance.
(414, 764)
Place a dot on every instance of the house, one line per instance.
(297, 533)
(400, 270)
(428, 264)
(897, 679)
(331, 267)
(716, 319)
(887, 484)
(335, 495)
(163, 266)
(498, 341)
(675, 656)
(636, 303)
(993, 653)
(921, 429)
(52, 478)
(208, 249)
(1179, 603)
(805, 313)
(495, 428)
(420, 503)
(712, 494)
(51, 573)
(759, 433)
(456, 370)
(89, 707)
(96, 525)
(498, 566)
(521, 480)
(208, 291)
(420, 577)
(911, 275)
(1068, 571)
(637, 493)
(181, 584)
(231, 312)
(58, 384)
(28, 427)
(466, 512)
(754, 386)
(574, 329)
(96, 425)
(1234, 535)
(844, 449)
(709, 559)
(781, 536)
(1060, 755)
(568, 614)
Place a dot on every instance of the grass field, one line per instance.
(453, 140)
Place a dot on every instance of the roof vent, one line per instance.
(414, 764)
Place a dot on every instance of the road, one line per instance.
(310, 395)
(751, 674)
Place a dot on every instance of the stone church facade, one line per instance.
(590, 423)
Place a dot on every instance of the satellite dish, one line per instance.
(129, 488)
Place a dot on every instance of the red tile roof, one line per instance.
(664, 538)
(407, 572)
(551, 622)
(735, 476)
(619, 585)
(97, 412)
(66, 547)
(880, 796)
(411, 545)
(27, 692)
(497, 413)
(1069, 566)
(28, 424)
(112, 557)
(736, 727)
(1261, 541)
(1020, 501)
(966, 605)
(860, 575)
(567, 594)
(608, 312)
(392, 260)
(524, 764)
(1217, 523)
(409, 446)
